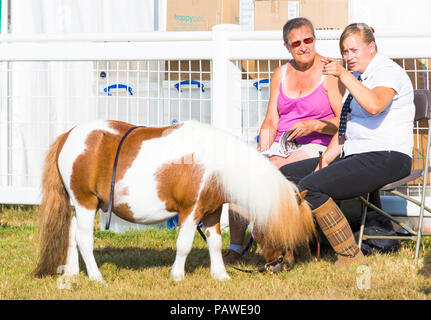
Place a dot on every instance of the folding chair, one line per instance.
(422, 101)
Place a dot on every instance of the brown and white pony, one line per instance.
(189, 169)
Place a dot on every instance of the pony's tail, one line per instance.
(54, 215)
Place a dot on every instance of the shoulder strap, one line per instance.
(284, 73)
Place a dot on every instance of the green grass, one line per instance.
(136, 265)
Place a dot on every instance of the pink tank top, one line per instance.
(312, 106)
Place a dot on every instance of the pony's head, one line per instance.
(278, 255)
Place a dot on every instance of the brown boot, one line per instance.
(339, 234)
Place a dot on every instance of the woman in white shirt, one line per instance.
(373, 146)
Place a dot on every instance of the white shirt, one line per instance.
(391, 129)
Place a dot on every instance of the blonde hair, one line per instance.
(365, 30)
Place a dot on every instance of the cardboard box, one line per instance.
(259, 69)
(200, 15)
(181, 70)
(273, 15)
(324, 14)
(196, 15)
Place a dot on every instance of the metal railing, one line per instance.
(49, 83)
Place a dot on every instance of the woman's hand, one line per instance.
(262, 146)
(266, 137)
(302, 128)
(332, 67)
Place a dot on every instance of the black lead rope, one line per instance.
(202, 234)
(275, 266)
(114, 171)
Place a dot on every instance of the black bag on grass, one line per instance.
(378, 225)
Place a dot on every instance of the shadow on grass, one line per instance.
(426, 268)
(426, 272)
(141, 258)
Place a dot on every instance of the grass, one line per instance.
(136, 265)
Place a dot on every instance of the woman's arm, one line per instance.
(373, 101)
(305, 127)
(268, 130)
(335, 90)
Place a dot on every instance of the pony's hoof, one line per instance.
(98, 278)
(221, 276)
(177, 276)
(71, 271)
(101, 282)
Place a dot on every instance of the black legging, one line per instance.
(348, 177)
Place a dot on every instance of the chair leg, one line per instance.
(423, 195)
(374, 198)
(419, 235)
(363, 220)
(418, 244)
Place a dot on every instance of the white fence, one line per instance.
(49, 83)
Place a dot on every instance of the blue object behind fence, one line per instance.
(173, 223)
(257, 83)
(185, 82)
(118, 86)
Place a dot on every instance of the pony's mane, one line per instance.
(252, 182)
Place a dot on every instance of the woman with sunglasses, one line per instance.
(374, 143)
(303, 101)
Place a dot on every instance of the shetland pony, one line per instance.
(189, 169)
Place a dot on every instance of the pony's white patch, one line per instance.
(185, 238)
(84, 239)
(72, 265)
(142, 199)
(214, 242)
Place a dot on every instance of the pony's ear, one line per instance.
(300, 196)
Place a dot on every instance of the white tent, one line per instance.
(59, 94)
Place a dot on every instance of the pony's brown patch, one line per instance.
(178, 185)
(92, 170)
(213, 219)
(211, 199)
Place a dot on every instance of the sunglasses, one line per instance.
(296, 44)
